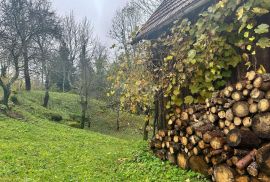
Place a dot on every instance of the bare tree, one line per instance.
(10, 60)
(70, 39)
(28, 19)
(87, 50)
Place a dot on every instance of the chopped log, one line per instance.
(223, 173)
(251, 75)
(229, 115)
(217, 143)
(242, 138)
(227, 92)
(232, 126)
(229, 104)
(200, 131)
(228, 123)
(242, 179)
(182, 161)
(226, 131)
(258, 82)
(237, 121)
(264, 105)
(246, 92)
(215, 152)
(241, 153)
(267, 95)
(241, 109)
(198, 164)
(158, 144)
(189, 130)
(253, 108)
(261, 125)
(215, 160)
(171, 158)
(184, 141)
(194, 139)
(247, 122)
(227, 148)
(229, 162)
(235, 160)
(257, 94)
(212, 118)
(176, 139)
(208, 136)
(222, 114)
(240, 85)
(213, 110)
(196, 150)
(247, 160)
(161, 154)
(252, 169)
(237, 96)
(178, 122)
(202, 145)
(263, 177)
(184, 116)
(221, 124)
(263, 159)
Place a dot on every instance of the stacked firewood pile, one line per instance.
(227, 138)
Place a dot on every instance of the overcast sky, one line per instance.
(100, 12)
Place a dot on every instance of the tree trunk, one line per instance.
(26, 69)
(47, 95)
(84, 108)
(6, 95)
(117, 119)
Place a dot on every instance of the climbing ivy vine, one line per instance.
(199, 55)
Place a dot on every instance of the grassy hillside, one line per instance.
(103, 118)
(36, 149)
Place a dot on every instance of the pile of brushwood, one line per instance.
(227, 137)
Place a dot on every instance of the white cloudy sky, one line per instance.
(100, 12)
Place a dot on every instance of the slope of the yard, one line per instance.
(36, 149)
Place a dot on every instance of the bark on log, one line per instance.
(263, 159)
(208, 136)
(224, 173)
(264, 105)
(252, 169)
(261, 125)
(198, 164)
(246, 161)
(242, 179)
(217, 143)
(243, 138)
(182, 161)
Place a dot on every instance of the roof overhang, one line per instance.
(162, 27)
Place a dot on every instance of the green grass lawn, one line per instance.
(37, 149)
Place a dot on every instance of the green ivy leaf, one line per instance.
(189, 100)
(250, 26)
(260, 11)
(262, 28)
(263, 42)
(194, 89)
(192, 54)
(246, 34)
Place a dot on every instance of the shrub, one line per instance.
(3, 108)
(14, 99)
(56, 117)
